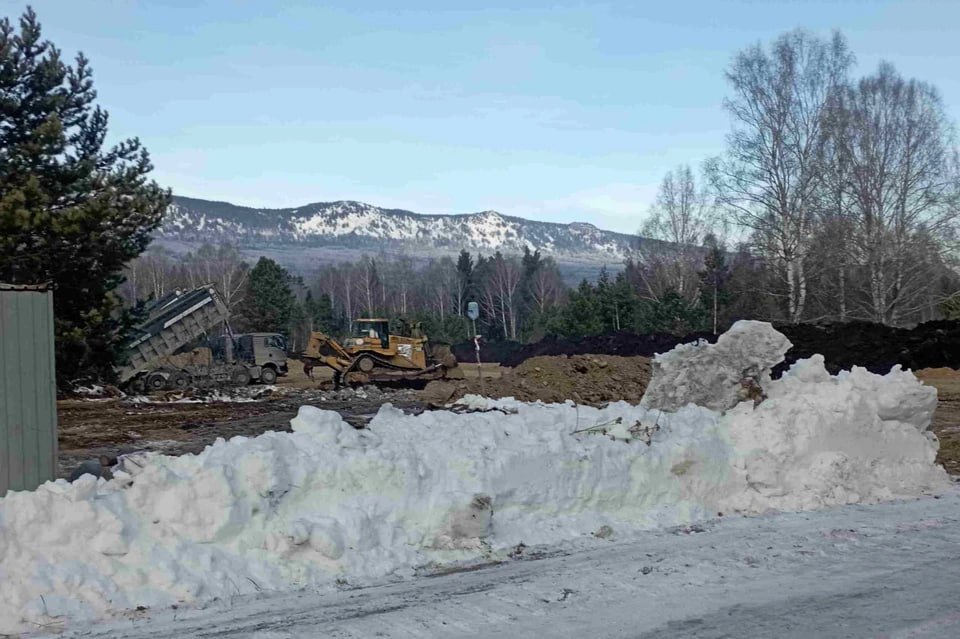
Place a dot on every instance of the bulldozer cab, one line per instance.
(372, 329)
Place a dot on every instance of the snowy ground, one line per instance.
(888, 570)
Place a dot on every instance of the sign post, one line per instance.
(473, 312)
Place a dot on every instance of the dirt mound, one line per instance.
(622, 343)
(938, 373)
(585, 379)
(874, 346)
(490, 352)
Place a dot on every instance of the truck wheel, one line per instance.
(156, 381)
(268, 375)
(240, 377)
(179, 381)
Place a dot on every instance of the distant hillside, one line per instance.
(336, 231)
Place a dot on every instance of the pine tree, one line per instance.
(671, 313)
(269, 305)
(72, 211)
(320, 312)
(466, 291)
(582, 315)
(465, 268)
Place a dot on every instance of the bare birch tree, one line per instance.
(898, 146)
(222, 266)
(368, 283)
(769, 178)
(546, 287)
(680, 219)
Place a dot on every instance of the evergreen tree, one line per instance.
(269, 305)
(582, 315)
(465, 268)
(320, 312)
(72, 211)
(531, 262)
(530, 265)
(623, 301)
(466, 288)
(672, 313)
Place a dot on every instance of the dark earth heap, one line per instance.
(843, 345)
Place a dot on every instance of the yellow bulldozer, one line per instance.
(374, 354)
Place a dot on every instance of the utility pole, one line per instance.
(473, 312)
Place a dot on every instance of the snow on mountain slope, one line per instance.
(357, 225)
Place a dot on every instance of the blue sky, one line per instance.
(558, 111)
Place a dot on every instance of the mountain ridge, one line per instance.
(301, 238)
(351, 223)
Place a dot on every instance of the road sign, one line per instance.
(473, 310)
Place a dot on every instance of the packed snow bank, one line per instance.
(328, 503)
(710, 375)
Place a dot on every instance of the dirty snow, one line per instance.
(328, 503)
(860, 572)
(709, 374)
(239, 395)
(94, 390)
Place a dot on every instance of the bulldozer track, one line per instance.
(384, 370)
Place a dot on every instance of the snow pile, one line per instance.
(710, 374)
(328, 503)
(242, 395)
(94, 390)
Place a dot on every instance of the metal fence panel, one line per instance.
(28, 408)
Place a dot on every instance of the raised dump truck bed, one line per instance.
(178, 321)
(173, 322)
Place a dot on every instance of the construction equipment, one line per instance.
(374, 354)
(156, 359)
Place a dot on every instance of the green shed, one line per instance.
(28, 392)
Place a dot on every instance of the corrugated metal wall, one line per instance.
(28, 394)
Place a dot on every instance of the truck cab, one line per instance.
(266, 350)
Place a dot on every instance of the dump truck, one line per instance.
(156, 359)
(373, 354)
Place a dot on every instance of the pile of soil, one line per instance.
(490, 352)
(874, 346)
(623, 343)
(843, 345)
(585, 379)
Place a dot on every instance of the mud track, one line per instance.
(90, 428)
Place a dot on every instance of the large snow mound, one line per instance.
(327, 504)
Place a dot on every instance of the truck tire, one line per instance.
(179, 381)
(240, 377)
(156, 382)
(268, 375)
(138, 385)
